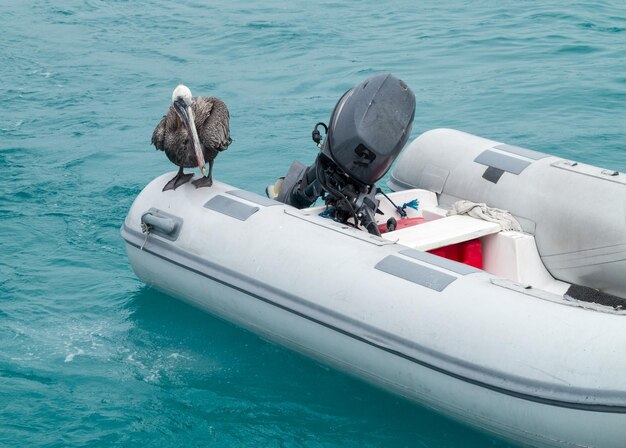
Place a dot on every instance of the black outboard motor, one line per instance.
(368, 128)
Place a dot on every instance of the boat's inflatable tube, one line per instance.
(521, 363)
(576, 212)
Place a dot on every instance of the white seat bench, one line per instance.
(443, 232)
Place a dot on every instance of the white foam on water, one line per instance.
(71, 356)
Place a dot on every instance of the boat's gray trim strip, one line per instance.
(589, 170)
(524, 152)
(588, 257)
(338, 227)
(231, 207)
(450, 265)
(416, 273)
(504, 162)
(610, 401)
(253, 197)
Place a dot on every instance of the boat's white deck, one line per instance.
(443, 232)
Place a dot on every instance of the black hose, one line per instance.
(400, 210)
(321, 176)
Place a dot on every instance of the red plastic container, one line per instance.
(401, 224)
(468, 252)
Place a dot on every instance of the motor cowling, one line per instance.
(369, 126)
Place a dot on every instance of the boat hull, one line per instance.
(526, 365)
(522, 421)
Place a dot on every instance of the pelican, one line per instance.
(194, 130)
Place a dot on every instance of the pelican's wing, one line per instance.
(213, 117)
(158, 136)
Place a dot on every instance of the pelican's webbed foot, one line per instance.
(203, 181)
(178, 180)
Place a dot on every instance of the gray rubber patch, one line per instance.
(416, 273)
(501, 161)
(493, 174)
(231, 207)
(450, 265)
(253, 197)
(517, 150)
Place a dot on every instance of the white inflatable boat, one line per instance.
(532, 346)
(494, 294)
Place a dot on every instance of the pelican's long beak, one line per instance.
(186, 114)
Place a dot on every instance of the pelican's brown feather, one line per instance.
(211, 118)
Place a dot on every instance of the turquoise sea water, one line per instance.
(92, 357)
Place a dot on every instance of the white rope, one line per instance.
(145, 228)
